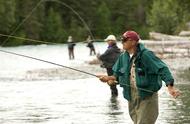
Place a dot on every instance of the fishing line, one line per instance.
(33, 40)
(150, 91)
(13, 53)
(82, 20)
(85, 24)
(27, 39)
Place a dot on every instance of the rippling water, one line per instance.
(33, 92)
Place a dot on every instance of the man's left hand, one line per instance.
(173, 91)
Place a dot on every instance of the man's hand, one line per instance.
(103, 78)
(109, 79)
(111, 82)
(174, 92)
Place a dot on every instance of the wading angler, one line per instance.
(140, 73)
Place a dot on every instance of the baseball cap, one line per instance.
(130, 35)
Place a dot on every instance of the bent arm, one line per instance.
(105, 55)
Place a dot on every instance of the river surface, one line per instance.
(33, 92)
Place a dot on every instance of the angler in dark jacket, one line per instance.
(91, 46)
(71, 45)
(109, 58)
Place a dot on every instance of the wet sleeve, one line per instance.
(166, 76)
(155, 65)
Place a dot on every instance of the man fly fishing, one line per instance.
(140, 73)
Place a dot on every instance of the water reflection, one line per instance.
(114, 106)
(115, 112)
(182, 106)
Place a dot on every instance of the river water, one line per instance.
(33, 92)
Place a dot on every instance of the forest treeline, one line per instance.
(54, 20)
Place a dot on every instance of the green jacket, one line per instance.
(149, 70)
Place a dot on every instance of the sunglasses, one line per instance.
(124, 39)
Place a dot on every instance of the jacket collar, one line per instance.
(113, 45)
(140, 49)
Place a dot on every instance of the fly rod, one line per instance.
(13, 53)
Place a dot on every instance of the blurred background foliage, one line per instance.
(54, 20)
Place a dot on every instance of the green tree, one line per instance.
(77, 30)
(32, 14)
(53, 29)
(163, 16)
(7, 15)
(7, 18)
(130, 15)
(183, 14)
(103, 21)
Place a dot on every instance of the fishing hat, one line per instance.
(70, 39)
(110, 37)
(130, 35)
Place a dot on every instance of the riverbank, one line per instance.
(169, 49)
